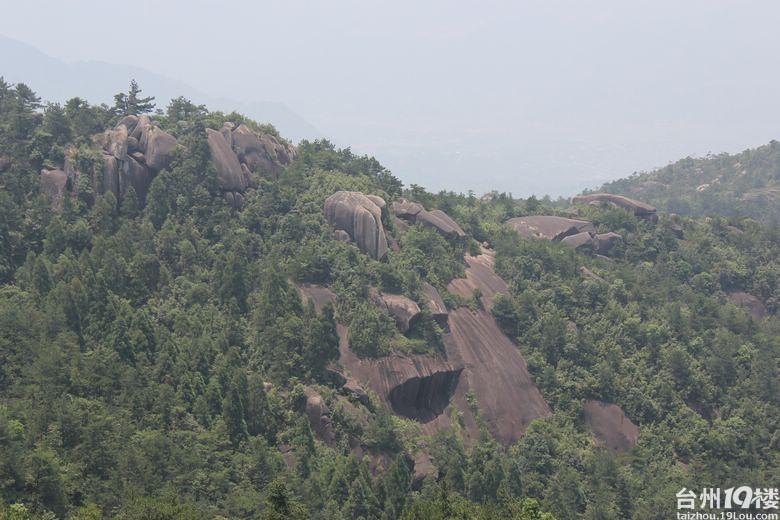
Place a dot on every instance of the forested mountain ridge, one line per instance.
(198, 319)
(746, 184)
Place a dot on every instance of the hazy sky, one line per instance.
(545, 97)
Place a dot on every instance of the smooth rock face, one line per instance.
(753, 305)
(379, 201)
(228, 168)
(159, 145)
(319, 416)
(580, 242)
(610, 426)
(549, 227)
(360, 218)
(441, 222)
(638, 208)
(435, 304)
(604, 242)
(53, 184)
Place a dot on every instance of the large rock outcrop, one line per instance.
(549, 227)
(238, 151)
(357, 215)
(604, 242)
(610, 425)
(640, 209)
(436, 219)
(134, 151)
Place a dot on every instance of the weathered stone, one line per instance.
(404, 311)
(53, 184)
(753, 305)
(5, 162)
(549, 227)
(580, 242)
(441, 222)
(407, 210)
(604, 242)
(639, 209)
(228, 169)
(129, 122)
(227, 132)
(356, 214)
(143, 123)
(135, 174)
(610, 425)
(116, 142)
(259, 151)
(353, 388)
(435, 304)
(319, 416)
(342, 236)
(110, 175)
(158, 147)
(379, 201)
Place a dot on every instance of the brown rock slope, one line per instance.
(479, 359)
(610, 426)
(494, 370)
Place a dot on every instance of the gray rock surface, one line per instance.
(549, 227)
(580, 242)
(228, 168)
(639, 209)
(360, 218)
(441, 222)
(604, 242)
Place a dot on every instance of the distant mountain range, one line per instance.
(56, 80)
(746, 183)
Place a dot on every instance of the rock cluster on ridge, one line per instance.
(237, 151)
(133, 152)
(436, 219)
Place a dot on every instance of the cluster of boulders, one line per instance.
(133, 152)
(578, 234)
(415, 213)
(640, 209)
(237, 151)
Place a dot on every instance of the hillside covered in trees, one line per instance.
(745, 184)
(200, 319)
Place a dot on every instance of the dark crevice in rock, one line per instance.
(424, 398)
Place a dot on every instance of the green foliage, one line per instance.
(156, 355)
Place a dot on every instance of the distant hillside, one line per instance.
(56, 80)
(745, 184)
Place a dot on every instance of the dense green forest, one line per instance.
(744, 184)
(156, 356)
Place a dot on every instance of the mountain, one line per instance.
(97, 82)
(199, 319)
(747, 183)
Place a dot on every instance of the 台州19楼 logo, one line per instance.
(740, 503)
